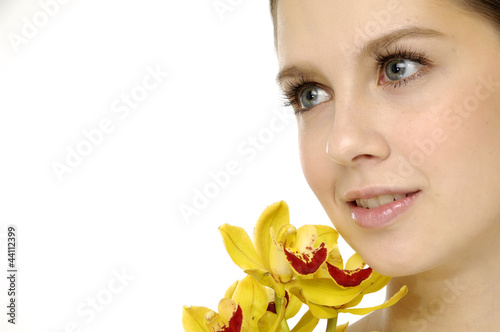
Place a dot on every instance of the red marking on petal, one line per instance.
(271, 307)
(307, 263)
(235, 323)
(349, 278)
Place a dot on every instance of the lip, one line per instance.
(381, 216)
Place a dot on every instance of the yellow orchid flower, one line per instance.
(292, 307)
(354, 277)
(246, 306)
(243, 306)
(279, 251)
(286, 267)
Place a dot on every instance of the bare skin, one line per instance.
(432, 129)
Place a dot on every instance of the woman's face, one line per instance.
(399, 110)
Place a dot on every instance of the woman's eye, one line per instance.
(399, 69)
(311, 96)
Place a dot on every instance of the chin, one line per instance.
(393, 257)
(397, 264)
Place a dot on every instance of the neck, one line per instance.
(462, 295)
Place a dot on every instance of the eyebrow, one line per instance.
(373, 46)
(291, 72)
(370, 49)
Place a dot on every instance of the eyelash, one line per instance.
(292, 89)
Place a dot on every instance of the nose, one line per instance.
(356, 136)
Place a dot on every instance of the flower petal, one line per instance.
(235, 324)
(357, 300)
(307, 323)
(230, 291)
(293, 306)
(323, 291)
(307, 263)
(274, 216)
(265, 278)
(227, 308)
(322, 312)
(374, 283)
(322, 273)
(335, 258)
(306, 236)
(348, 278)
(253, 299)
(193, 319)
(355, 262)
(240, 247)
(280, 267)
(393, 300)
(214, 322)
(328, 235)
(267, 321)
(286, 235)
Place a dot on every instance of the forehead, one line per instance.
(310, 29)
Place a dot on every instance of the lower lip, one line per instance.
(383, 215)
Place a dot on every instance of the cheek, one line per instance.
(470, 155)
(316, 165)
(461, 166)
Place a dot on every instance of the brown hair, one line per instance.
(489, 9)
(274, 14)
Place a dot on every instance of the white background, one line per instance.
(117, 211)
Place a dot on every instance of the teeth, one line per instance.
(373, 203)
(385, 199)
(379, 200)
(362, 203)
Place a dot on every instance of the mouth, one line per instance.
(376, 211)
(379, 201)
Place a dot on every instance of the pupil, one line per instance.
(311, 95)
(397, 69)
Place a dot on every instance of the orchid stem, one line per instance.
(284, 324)
(332, 324)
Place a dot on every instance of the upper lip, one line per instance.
(374, 191)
